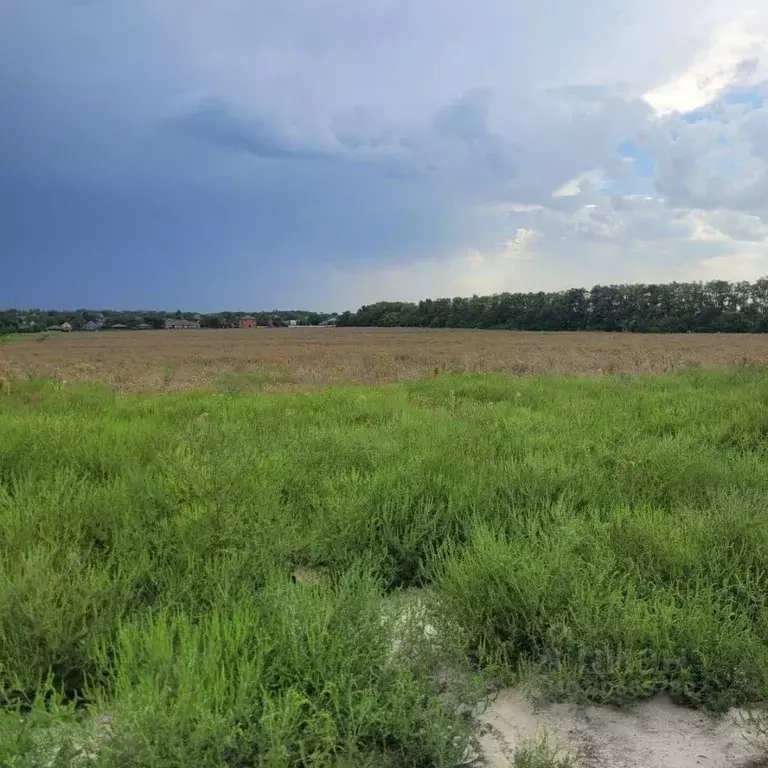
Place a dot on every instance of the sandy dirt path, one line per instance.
(654, 734)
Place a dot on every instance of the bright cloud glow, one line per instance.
(736, 55)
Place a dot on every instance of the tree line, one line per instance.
(716, 306)
(39, 320)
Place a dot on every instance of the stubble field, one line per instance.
(286, 358)
(197, 572)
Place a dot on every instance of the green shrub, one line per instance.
(298, 675)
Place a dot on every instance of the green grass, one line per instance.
(7, 338)
(542, 752)
(605, 537)
(251, 381)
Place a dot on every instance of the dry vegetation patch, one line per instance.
(285, 358)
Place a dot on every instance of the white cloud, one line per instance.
(580, 184)
(735, 56)
(522, 246)
(713, 162)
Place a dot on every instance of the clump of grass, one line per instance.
(292, 675)
(565, 608)
(252, 381)
(754, 725)
(297, 675)
(47, 731)
(168, 375)
(542, 752)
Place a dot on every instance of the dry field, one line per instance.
(284, 358)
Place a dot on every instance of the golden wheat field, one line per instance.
(286, 358)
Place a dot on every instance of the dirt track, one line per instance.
(654, 734)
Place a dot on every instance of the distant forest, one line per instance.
(716, 306)
(712, 307)
(37, 320)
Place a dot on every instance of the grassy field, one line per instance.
(236, 360)
(324, 577)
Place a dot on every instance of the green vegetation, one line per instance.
(672, 308)
(605, 537)
(716, 306)
(24, 321)
(264, 375)
(543, 753)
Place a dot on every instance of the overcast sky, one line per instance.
(247, 154)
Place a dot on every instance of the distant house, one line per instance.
(143, 327)
(66, 327)
(292, 323)
(179, 323)
(119, 327)
(51, 327)
(248, 322)
(93, 325)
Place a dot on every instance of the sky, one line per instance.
(322, 154)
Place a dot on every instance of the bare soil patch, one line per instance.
(654, 734)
